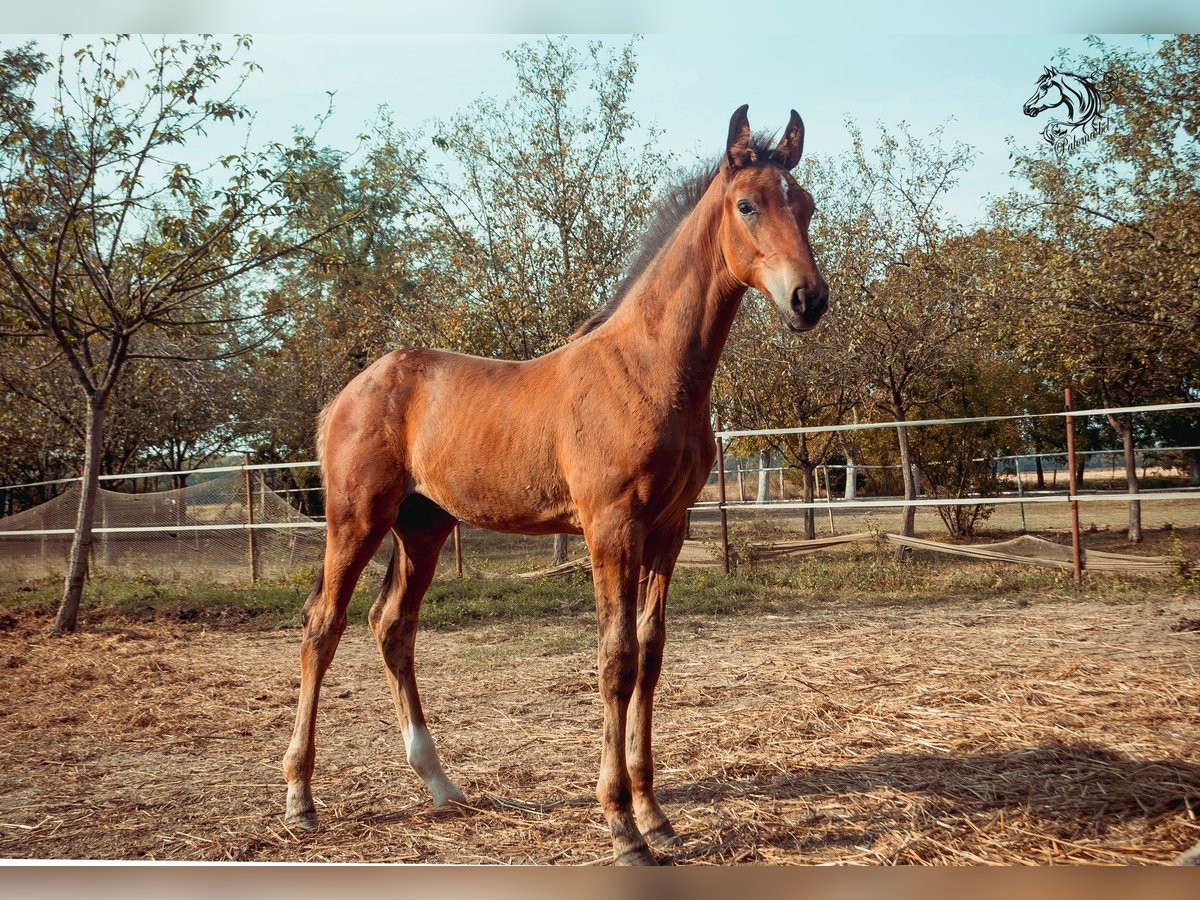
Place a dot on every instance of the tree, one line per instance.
(534, 232)
(960, 461)
(1113, 292)
(186, 412)
(345, 298)
(896, 288)
(112, 243)
(770, 380)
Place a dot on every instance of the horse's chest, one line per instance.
(677, 469)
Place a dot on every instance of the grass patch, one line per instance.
(856, 578)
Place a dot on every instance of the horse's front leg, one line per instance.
(615, 542)
(652, 633)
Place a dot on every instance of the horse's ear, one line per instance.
(1050, 71)
(791, 145)
(737, 150)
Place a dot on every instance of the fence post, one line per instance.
(721, 498)
(458, 548)
(1020, 493)
(250, 531)
(1076, 550)
(829, 500)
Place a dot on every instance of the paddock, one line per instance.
(1057, 730)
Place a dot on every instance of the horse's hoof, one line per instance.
(1188, 857)
(449, 798)
(639, 857)
(664, 837)
(301, 821)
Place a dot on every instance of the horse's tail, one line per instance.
(322, 418)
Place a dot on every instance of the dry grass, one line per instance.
(1062, 731)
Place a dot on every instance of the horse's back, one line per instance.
(477, 436)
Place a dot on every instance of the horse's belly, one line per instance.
(502, 498)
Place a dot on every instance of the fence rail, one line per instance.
(255, 508)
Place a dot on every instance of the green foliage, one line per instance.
(539, 199)
(114, 248)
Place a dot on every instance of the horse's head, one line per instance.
(764, 228)
(1048, 94)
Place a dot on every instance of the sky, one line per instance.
(688, 85)
(874, 62)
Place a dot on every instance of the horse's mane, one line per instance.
(675, 204)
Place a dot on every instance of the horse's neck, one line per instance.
(677, 318)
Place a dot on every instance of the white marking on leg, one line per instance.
(423, 757)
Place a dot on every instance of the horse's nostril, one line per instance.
(814, 305)
(810, 303)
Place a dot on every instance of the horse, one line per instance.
(608, 436)
(1080, 100)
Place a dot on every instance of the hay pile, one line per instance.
(1061, 732)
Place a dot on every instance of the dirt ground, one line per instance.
(1053, 732)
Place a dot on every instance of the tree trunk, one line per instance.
(853, 460)
(1124, 427)
(1194, 468)
(81, 546)
(908, 523)
(560, 550)
(1041, 473)
(810, 514)
(764, 463)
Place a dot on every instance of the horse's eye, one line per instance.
(744, 207)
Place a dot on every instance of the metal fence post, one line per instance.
(1076, 549)
(1020, 493)
(250, 530)
(829, 500)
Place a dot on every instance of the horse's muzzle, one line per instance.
(808, 305)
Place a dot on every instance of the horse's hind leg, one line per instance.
(351, 540)
(651, 632)
(421, 530)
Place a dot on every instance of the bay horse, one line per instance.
(608, 436)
